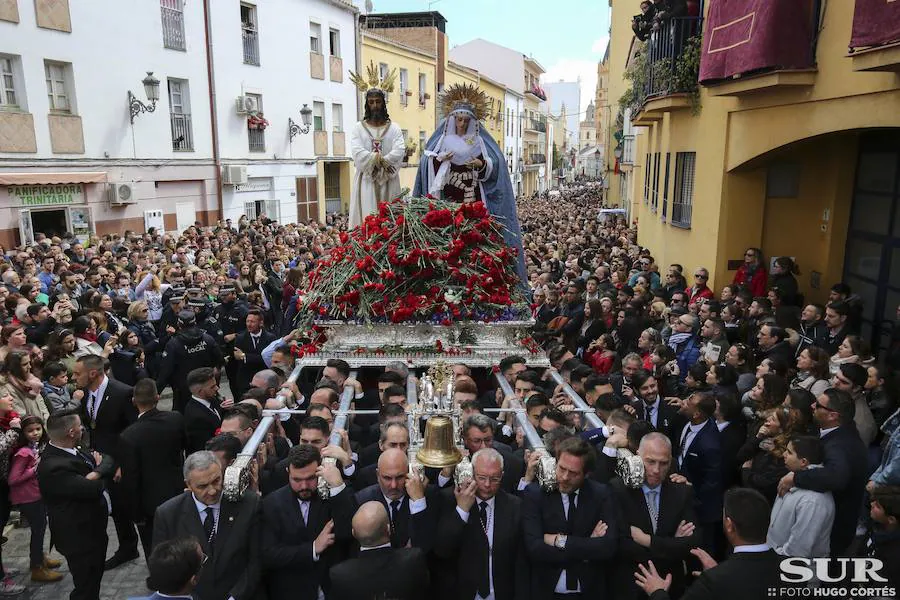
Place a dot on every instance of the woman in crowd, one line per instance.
(10, 430)
(17, 381)
(12, 337)
(762, 456)
(769, 392)
(852, 350)
(649, 339)
(812, 371)
(139, 324)
(784, 272)
(149, 290)
(61, 346)
(591, 327)
(601, 354)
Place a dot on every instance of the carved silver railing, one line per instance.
(340, 424)
(628, 466)
(546, 468)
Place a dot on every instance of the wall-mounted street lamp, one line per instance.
(151, 89)
(618, 152)
(305, 117)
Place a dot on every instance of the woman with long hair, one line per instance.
(763, 453)
(812, 371)
(769, 392)
(12, 337)
(784, 272)
(150, 291)
(292, 284)
(740, 356)
(17, 381)
(648, 340)
(601, 354)
(591, 327)
(138, 323)
(61, 347)
(853, 349)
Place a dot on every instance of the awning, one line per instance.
(52, 178)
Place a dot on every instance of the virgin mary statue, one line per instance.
(463, 163)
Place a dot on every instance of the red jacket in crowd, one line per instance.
(757, 284)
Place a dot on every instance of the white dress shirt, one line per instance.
(687, 437)
(561, 582)
(208, 405)
(489, 531)
(95, 398)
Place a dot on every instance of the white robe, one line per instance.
(366, 192)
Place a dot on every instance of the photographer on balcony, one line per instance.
(642, 24)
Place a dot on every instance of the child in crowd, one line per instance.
(884, 543)
(24, 492)
(56, 389)
(800, 524)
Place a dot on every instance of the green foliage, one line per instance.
(667, 76)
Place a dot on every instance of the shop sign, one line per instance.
(46, 195)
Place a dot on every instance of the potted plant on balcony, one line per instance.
(257, 121)
(408, 92)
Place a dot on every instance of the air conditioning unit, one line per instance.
(121, 194)
(246, 105)
(234, 175)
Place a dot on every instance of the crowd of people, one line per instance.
(765, 426)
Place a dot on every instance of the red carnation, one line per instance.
(436, 219)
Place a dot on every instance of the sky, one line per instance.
(567, 37)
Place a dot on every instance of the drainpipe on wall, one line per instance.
(213, 113)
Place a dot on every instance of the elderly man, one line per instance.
(660, 516)
(410, 505)
(379, 571)
(485, 549)
(228, 530)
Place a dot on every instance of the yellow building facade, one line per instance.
(802, 163)
(412, 104)
(496, 93)
(534, 128)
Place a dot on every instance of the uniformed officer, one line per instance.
(168, 322)
(232, 316)
(189, 349)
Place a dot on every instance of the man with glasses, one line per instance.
(845, 469)
(699, 289)
(478, 433)
(480, 532)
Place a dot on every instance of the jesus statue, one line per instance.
(377, 147)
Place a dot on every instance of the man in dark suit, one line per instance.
(152, 452)
(478, 433)
(621, 380)
(749, 574)
(845, 470)
(485, 549)
(394, 434)
(380, 571)
(228, 531)
(657, 520)
(411, 508)
(76, 503)
(106, 411)
(699, 460)
(571, 535)
(248, 347)
(650, 407)
(299, 529)
(202, 413)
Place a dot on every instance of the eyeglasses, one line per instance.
(486, 479)
(823, 407)
(750, 254)
(701, 276)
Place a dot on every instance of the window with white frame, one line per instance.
(683, 201)
(250, 34)
(58, 78)
(180, 115)
(173, 24)
(337, 117)
(404, 85)
(423, 82)
(256, 131)
(319, 116)
(334, 42)
(9, 96)
(383, 71)
(421, 144)
(315, 38)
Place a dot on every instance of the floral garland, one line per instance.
(418, 260)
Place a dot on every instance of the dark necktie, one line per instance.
(571, 578)
(395, 508)
(484, 582)
(209, 526)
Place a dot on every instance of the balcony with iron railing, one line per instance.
(535, 125)
(257, 140)
(182, 133)
(251, 46)
(537, 159)
(173, 28)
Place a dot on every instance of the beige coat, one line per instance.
(23, 403)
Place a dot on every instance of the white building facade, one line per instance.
(78, 154)
(512, 136)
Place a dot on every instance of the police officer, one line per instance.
(232, 316)
(207, 317)
(168, 322)
(189, 349)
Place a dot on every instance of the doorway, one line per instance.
(49, 222)
(872, 255)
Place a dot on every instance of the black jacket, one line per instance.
(115, 413)
(396, 573)
(417, 530)
(844, 474)
(702, 466)
(765, 470)
(464, 545)
(585, 557)
(187, 350)
(287, 543)
(76, 507)
(200, 424)
(744, 576)
(152, 452)
(668, 553)
(253, 362)
(233, 566)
